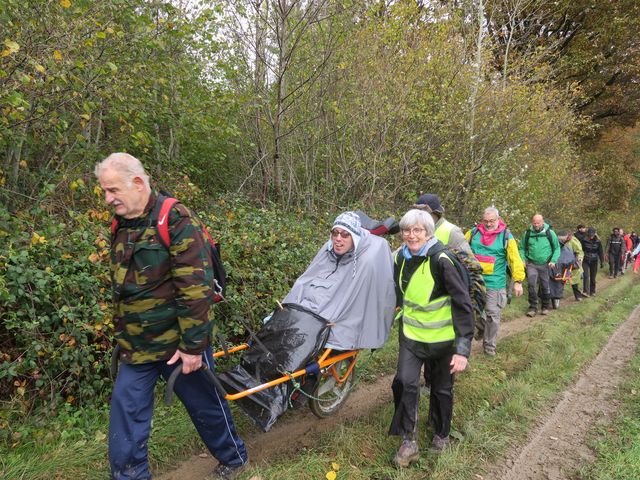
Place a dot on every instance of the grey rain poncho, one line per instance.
(355, 291)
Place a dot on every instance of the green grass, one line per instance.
(617, 445)
(496, 403)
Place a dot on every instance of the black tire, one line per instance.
(328, 395)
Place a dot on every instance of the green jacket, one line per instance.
(162, 297)
(541, 249)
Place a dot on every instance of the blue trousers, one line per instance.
(132, 409)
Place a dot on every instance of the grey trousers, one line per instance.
(538, 274)
(496, 301)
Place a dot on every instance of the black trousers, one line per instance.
(590, 267)
(615, 264)
(406, 390)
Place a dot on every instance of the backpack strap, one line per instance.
(162, 219)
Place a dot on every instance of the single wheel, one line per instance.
(329, 395)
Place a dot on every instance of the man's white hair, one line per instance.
(127, 165)
(493, 210)
(418, 217)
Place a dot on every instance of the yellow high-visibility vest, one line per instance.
(424, 320)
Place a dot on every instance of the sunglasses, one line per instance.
(340, 233)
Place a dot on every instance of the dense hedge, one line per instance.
(55, 338)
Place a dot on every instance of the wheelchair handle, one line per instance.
(208, 373)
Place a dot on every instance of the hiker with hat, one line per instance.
(435, 329)
(593, 253)
(350, 284)
(449, 234)
(580, 233)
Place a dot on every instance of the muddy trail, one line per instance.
(298, 429)
(557, 446)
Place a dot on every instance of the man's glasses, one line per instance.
(340, 233)
(415, 231)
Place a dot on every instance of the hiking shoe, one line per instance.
(438, 444)
(407, 454)
(544, 312)
(226, 472)
(531, 313)
(489, 352)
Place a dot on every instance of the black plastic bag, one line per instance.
(293, 338)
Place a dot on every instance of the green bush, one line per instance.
(55, 335)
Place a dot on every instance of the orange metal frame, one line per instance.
(324, 362)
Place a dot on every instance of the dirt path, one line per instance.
(557, 447)
(296, 430)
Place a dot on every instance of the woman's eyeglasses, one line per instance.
(340, 233)
(415, 231)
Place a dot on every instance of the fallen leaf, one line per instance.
(331, 475)
(335, 466)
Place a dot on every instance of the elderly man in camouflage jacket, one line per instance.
(163, 320)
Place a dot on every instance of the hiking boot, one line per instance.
(407, 454)
(489, 352)
(531, 313)
(438, 444)
(226, 472)
(544, 312)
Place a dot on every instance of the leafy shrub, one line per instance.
(55, 335)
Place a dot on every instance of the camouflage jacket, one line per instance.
(162, 297)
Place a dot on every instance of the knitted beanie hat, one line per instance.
(350, 222)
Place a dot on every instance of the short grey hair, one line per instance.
(493, 210)
(418, 217)
(127, 165)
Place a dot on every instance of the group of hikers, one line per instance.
(163, 299)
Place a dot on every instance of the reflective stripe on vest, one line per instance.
(423, 320)
(443, 232)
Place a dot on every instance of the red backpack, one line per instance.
(161, 211)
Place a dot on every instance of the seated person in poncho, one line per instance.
(350, 283)
(345, 300)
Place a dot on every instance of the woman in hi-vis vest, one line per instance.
(436, 329)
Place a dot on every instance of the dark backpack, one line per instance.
(471, 272)
(161, 211)
(527, 234)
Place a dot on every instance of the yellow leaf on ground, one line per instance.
(335, 466)
(23, 164)
(57, 55)
(12, 46)
(36, 238)
(65, 3)
(41, 69)
(331, 475)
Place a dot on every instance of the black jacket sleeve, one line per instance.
(461, 308)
